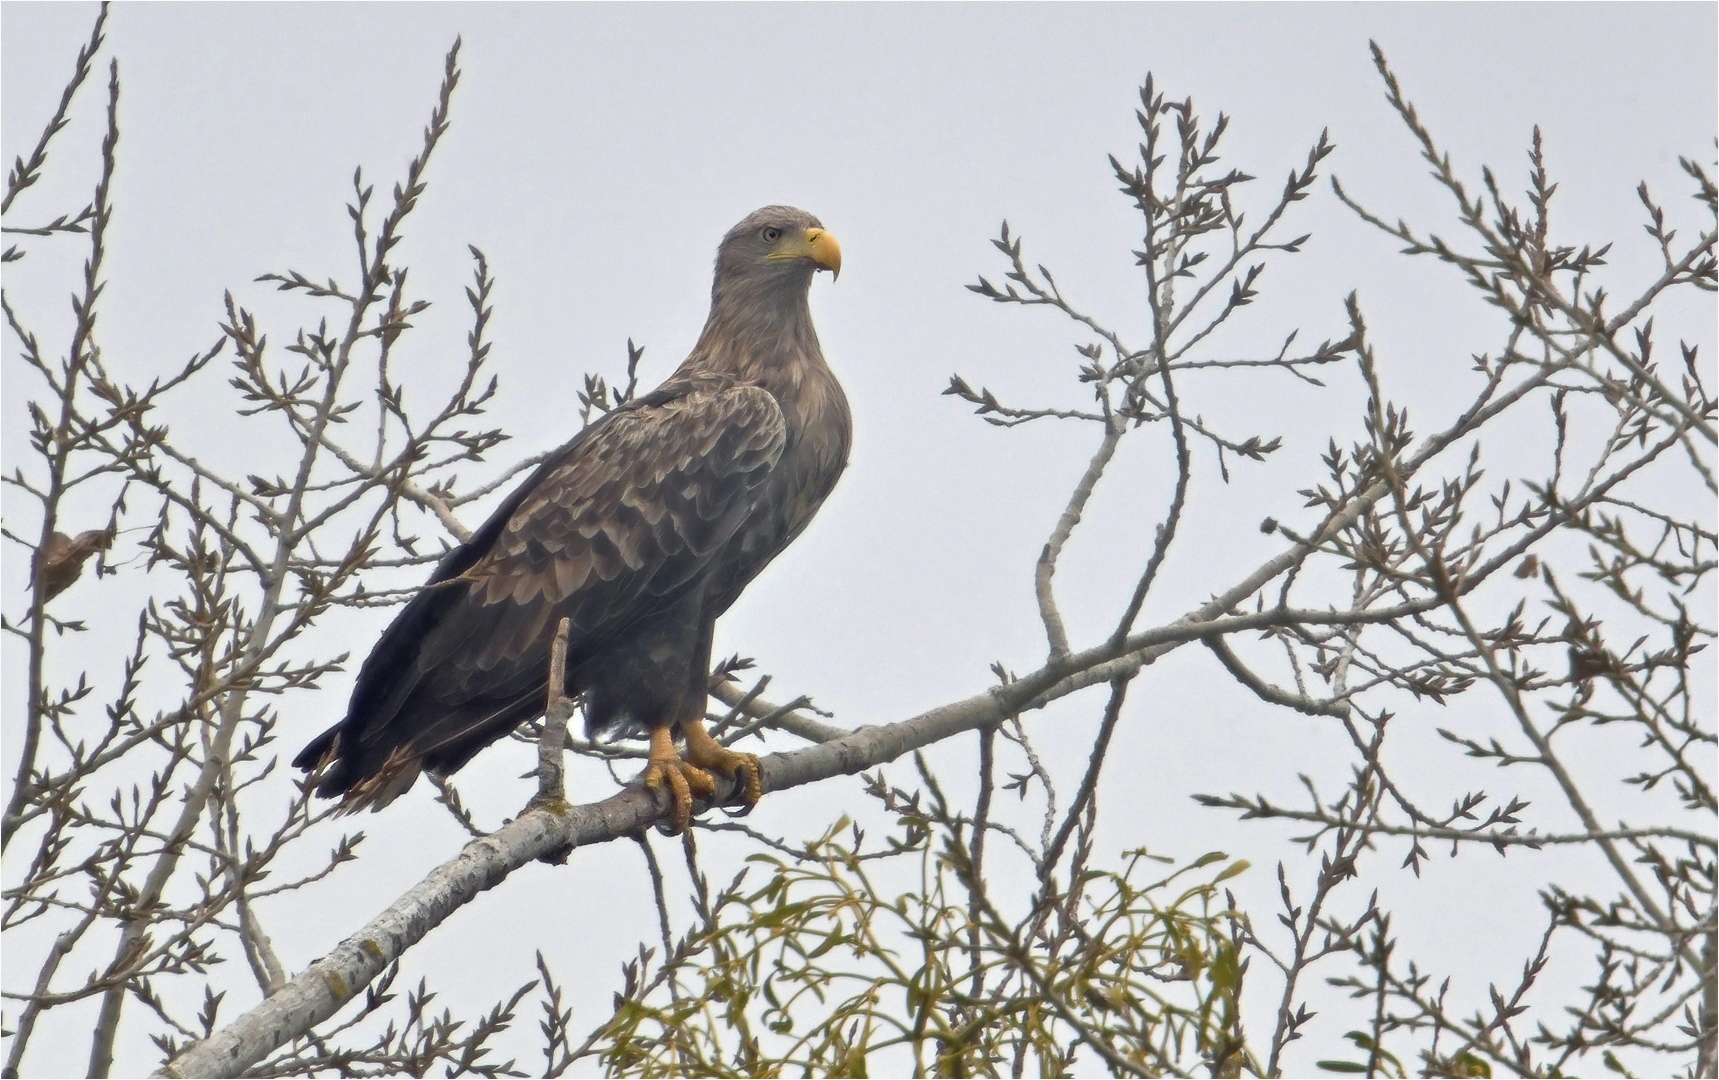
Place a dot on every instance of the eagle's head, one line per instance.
(776, 249)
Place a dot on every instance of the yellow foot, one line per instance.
(683, 779)
(704, 751)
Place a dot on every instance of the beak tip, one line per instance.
(825, 251)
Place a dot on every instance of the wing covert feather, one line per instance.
(618, 529)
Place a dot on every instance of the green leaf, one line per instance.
(1240, 866)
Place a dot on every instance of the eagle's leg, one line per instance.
(683, 778)
(706, 752)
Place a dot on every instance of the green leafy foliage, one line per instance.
(819, 969)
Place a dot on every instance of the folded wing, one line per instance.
(614, 527)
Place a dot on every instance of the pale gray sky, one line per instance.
(598, 153)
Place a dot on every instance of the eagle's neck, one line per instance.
(764, 337)
(760, 334)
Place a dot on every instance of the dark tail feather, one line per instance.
(338, 774)
(322, 754)
(379, 766)
(317, 750)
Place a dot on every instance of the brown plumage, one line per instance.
(61, 560)
(640, 531)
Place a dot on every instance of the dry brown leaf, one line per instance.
(61, 560)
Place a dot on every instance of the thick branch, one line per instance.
(320, 991)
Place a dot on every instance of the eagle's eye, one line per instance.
(771, 234)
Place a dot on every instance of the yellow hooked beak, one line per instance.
(816, 245)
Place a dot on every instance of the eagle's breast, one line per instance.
(819, 436)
